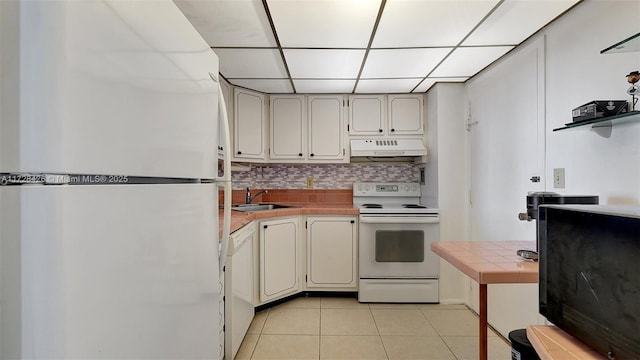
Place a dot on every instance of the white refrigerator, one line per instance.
(109, 245)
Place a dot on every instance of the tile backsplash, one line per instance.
(324, 176)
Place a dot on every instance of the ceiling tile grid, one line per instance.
(363, 46)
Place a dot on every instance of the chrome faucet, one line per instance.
(251, 198)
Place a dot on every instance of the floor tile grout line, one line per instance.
(378, 330)
(320, 332)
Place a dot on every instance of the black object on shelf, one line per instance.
(598, 109)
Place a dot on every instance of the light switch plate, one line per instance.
(558, 178)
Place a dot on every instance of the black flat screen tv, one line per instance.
(590, 275)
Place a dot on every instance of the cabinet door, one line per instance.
(405, 114)
(367, 114)
(288, 127)
(326, 135)
(279, 259)
(249, 125)
(331, 252)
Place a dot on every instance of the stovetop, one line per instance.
(389, 198)
(370, 208)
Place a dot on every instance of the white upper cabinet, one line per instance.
(381, 115)
(249, 125)
(326, 135)
(288, 127)
(367, 114)
(405, 114)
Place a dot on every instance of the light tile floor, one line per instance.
(342, 328)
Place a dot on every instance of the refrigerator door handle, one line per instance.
(226, 177)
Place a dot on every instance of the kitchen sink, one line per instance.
(260, 207)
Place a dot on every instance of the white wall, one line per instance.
(506, 108)
(445, 178)
(575, 73)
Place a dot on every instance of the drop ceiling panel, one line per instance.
(468, 61)
(514, 21)
(402, 62)
(328, 24)
(237, 23)
(324, 41)
(428, 23)
(323, 86)
(314, 63)
(381, 86)
(270, 86)
(251, 63)
(429, 82)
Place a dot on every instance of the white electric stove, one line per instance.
(396, 231)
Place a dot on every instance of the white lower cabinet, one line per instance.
(332, 252)
(280, 250)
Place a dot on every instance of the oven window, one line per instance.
(399, 246)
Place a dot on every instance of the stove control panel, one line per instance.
(386, 189)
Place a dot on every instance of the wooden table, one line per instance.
(489, 262)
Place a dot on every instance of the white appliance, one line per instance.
(239, 310)
(396, 263)
(109, 204)
(387, 147)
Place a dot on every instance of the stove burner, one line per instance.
(413, 206)
(372, 206)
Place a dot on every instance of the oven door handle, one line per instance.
(399, 220)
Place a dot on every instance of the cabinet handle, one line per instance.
(311, 154)
(299, 154)
(353, 221)
(392, 130)
(265, 226)
(239, 152)
(379, 130)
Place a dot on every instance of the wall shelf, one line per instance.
(604, 122)
(629, 44)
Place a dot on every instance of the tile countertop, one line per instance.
(490, 262)
(240, 218)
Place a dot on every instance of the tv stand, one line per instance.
(551, 343)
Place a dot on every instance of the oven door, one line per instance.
(398, 246)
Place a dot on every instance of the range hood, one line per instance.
(387, 147)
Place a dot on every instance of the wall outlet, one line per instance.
(309, 182)
(558, 178)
